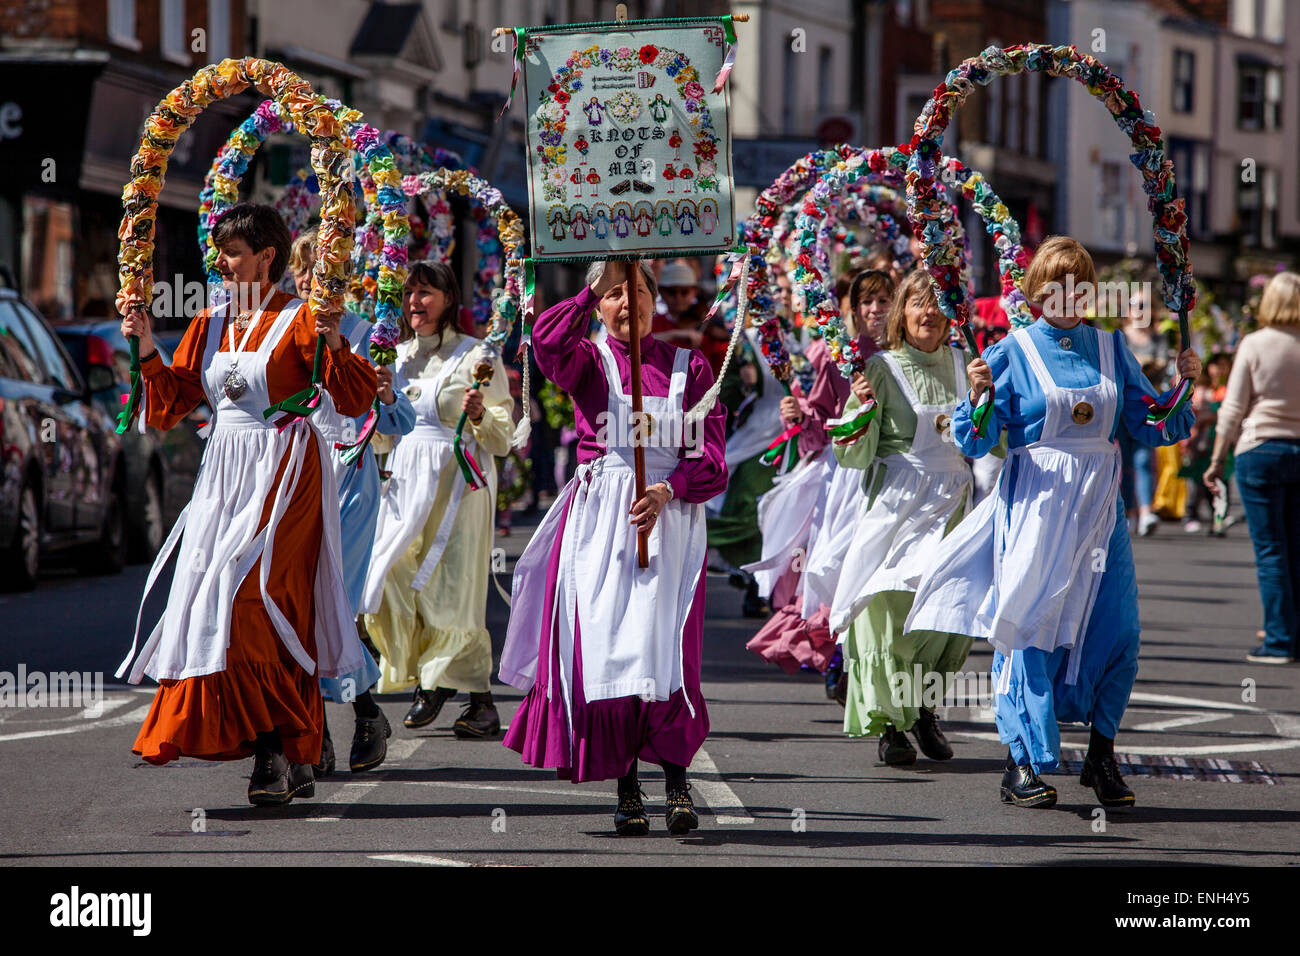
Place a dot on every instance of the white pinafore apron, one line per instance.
(842, 503)
(409, 494)
(632, 618)
(217, 531)
(1024, 568)
(761, 426)
(919, 492)
(334, 426)
(785, 517)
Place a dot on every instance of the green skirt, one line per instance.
(892, 676)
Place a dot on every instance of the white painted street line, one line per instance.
(121, 720)
(403, 748)
(1145, 751)
(1184, 721)
(417, 858)
(584, 794)
(722, 800)
(351, 793)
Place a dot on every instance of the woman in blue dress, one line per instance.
(1043, 568)
(358, 487)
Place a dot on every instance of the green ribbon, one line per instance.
(296, 404)
(126, 417)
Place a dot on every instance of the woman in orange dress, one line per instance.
(257, 609)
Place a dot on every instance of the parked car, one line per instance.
(160, 466)
(62, 471)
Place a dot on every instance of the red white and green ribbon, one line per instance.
(1159, 413)
(517, 69)
(729, 60)
(845, 431)
(784, 449)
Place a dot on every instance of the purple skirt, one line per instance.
(607, 734)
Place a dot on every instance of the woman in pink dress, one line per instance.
(609, 653)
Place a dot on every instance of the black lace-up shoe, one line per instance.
(681, 815)
(479, 720)
(930, 738)
(425, 706)
(326, 765)
(369, 743)
(269, 786)
(629, 816)
(1102, 774)
(1021, 786)
(895, 749)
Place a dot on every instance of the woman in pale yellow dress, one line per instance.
(426, 591)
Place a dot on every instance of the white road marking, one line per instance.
(1285, 725)
(420, 858)
(722, 800)
(351, 793)
(121, 720)
(584, 794)
(403, 748)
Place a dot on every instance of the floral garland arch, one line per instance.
(221, 191)
(1168, 212)
(997, 219)
(173, 115)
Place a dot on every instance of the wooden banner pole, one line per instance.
(634, 355)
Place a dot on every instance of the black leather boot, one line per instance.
(753, 605)
(930, 738)
(681, 815)
(268, 785)
(1021, 786)
(302, 780)
(629, 816)
(895, 749)
(326, 765)
(369, 743)
(479, 720)
(425, 706)
(1101, 772)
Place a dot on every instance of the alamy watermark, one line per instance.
(628, 429)
(26, 688)
(1121, 300)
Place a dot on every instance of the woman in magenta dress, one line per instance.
(613, 672)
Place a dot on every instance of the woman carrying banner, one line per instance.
(1043, 567)
(609, 653)
(425, 597)
(918, 487)
(797, 635)
(358, 488)
(257, 610)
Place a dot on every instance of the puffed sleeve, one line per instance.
(497, 427)
(862, 452)
(173, 391)
(1135, 386)
(349, 378)
(397, 418)
(821, 405)
(560, 342)
(963, 429)
(701, 474)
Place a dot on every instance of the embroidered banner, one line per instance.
(629, 148)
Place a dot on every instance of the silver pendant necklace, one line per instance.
(234, 384)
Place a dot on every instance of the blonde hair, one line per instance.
(1280, 303)
(1056, 258)
(302, 254)
(916, 284)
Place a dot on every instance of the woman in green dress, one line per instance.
(919, 487)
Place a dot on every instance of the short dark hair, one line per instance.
(259, 226)
(440, 276)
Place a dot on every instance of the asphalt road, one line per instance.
(1214, 743)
